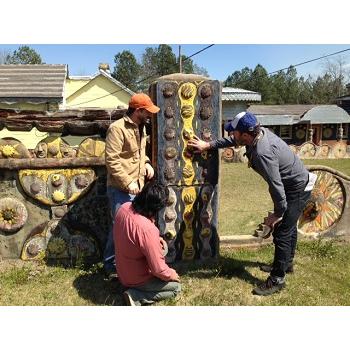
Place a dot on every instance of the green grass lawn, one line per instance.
(321, 277)
(244, 196)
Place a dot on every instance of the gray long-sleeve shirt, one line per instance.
(272, 158)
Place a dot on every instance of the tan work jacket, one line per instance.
(125, 154)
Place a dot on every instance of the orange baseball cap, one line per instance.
(143, 101)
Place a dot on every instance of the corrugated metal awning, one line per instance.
(269, 120)
(327, 114)
(279, 109)
(236, 94)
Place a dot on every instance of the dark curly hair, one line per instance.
(151, 199)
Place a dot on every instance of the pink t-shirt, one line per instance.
(137, 248)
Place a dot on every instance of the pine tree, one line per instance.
(24, 55)
(127, 70)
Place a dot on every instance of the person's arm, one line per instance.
(224, 142)
(114, 146)
(200, 145)
(149, 171)
(267, 166)
(151, 248)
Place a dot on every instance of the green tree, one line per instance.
(161, 61)
(200, 70)
(157, 62)
(166, 60)
(240, 79)
(24, 55)
(278, 88)
(260, 82)
(322, 89)
(292, 86)
(187, 65)
(127, 69)
(305, 95)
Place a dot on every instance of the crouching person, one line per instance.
(140, 262)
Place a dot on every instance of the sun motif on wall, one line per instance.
(325, 206)
(300, 134)
(13, 214)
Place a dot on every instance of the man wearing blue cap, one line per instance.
(289, 182)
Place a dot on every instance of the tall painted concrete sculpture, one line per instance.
(189, 105)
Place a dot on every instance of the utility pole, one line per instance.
(180, 60)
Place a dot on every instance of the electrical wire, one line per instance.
(142, 80)
(294, 65)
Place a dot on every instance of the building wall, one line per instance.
(73, 85)
(25, 106)
(94, 90)
(29, 138)
(231, 108)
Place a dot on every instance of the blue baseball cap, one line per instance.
(243, 122)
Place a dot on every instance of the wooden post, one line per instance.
(180, 60)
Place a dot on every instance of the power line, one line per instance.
(144, 79)
(296, 65)
(315, 59)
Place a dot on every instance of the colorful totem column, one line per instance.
(189, 105)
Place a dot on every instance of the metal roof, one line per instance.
(326, 114)
(267, 120)
(296, 110)
(32, 81)
(343, 98)
(293, 114)
(236, 94)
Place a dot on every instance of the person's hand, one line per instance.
(164, 246)
(133, 188)
(174, 276)
(163, 243)
(149, 171)
(272, 220)
(198, 144)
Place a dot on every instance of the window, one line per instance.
(286, 131)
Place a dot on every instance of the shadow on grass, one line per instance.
(221, 267)
(99, 291)
(92, 285)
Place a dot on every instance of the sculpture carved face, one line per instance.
(41, 150)
(66, 151)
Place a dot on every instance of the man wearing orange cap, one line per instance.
(126, 162)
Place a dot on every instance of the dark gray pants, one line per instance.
(285, 235)
(154, 290)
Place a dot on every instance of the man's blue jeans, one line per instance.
(116, 199)
(285, 235)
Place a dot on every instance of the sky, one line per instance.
(220, 60)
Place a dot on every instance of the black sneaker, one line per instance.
(111, 275)
(268, 268)
(268, 287)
